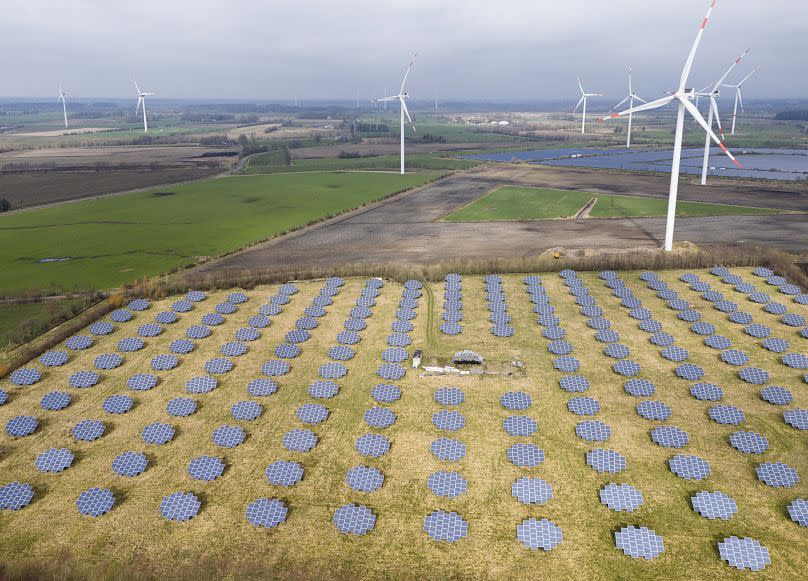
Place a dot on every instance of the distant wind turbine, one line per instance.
(401, 98)
(684, 97)
(141, 100)
(62, 98)
(630, 98)
(713, 94)
(584, 96)
(738, 97)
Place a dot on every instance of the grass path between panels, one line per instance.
(521, 203)
(133, 539)
(113, 240)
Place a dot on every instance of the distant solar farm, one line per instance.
(624, 424)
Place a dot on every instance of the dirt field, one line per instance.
(404, 230)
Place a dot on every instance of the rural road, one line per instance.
(405, 229)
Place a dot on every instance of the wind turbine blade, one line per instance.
(407, 113)
(740, 100)
(629, 82)
(580, 86)
(729, 70)
(691, 108)
(406, 74)
(695, 47)
(714, 107)
(578, 105)
(136, 86)
(620, 104)
(139, 101)
(747, 76)
(646, 107)
(640, 99)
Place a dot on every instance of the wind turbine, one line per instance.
(61, 98)
(401, 98)
(584, 96)
(684, 97)
(141, 100)
(738, 97)
(630, 98)
(713, 95)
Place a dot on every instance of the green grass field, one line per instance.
(518, 203)
(272, 162)
(50, 537)
(113, 240)
(14, 318)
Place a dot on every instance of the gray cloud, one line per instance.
(475, 49)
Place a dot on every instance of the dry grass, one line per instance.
(50, 539)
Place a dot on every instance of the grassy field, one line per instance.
(50, 536)
(518, 203)
(271, 162)
(15, 318)
(113, 240)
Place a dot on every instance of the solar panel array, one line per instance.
(744, 553)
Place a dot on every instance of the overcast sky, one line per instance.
(473, 49)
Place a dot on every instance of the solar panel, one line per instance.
(650, 326)
(182, 306)
(566, 364)
(78, 342)
(157, 433)
(654, 410)
(228, 436)
(795, 360)
(212, 320)
(367, 302)
(798, 511)
(719, 271)
(297, 336)
(314, 311)
(332, 370)
(232, 349)
(266, 512)
(606, 461)
(149, 330)
(744, 553)
(88, 430)
(287, 351)
(372, 445)
(226, 308)
(641, 314)
(364, 478)
(734, 357)
(166, 317)
(519, 425)
(451, 328)
(117, 404)
(348, 337)
(690, 316)
(275, 367)
(754, 375)
(449, 396)
(342, 353)
(639, 387)
(298, 440)
(793, 320)
(668, 294)
(284, 473)
(689, 467)
(321, 389)
(130, 464)
(718, 342)
(531, 491)
(53, 358)
(312, 413)
(445, 526)
(54, 460)
(164, 362)
(206, 468)
(690, 372)
(246, 410)
(54, 401)
(621, 497)
(278, 299)
(25, 376)
(101, 328)
(287, 289)
(354, 519)
(777, 474)
(616, 351)
(180, 506)
(648, 276)
(95, 501)
(559, 347)
(130, 344)
(83, 379)
(670, 437)
(553, 333)
(593, 431)
(270, 309)
(801, 299)
(639, 542)
(674, 353)
(726, 415)
(379, 417)
(547, 320)
(583, 406)
(574, 383)
(706, 392)
(516, 400)
(390, 371)
(181, 407)
(631, 302)
(759, 298)
(804, 333)
(662, 339)
(731, 279)
(262, 387)
(218, 365)
(181, 346)
(502, 331)
(108, 361)
(197, 332)
(776, 395)
(626, 368)
(401, 326)
(775, 308)
(790, 289)
(740, 318)
(121, 315)
(448, 420)
(714, 505)
(758, 331)
(700, 286)
(361, 313)
(749, 442)
(725, 306)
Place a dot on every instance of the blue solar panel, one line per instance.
(218, 365)
(654, 410)
(278, 299)
(357, 325)
(108, 361)
(197, 332)
(287, 351)
(117, 404)
(448, 420)
(451, 328)
(574, 383)
(626, 368)
(690, 372)
(639, 542)
(749, 442)
(332, 370)
(777, 475)
(348, 337)
(149, 330)
(593, 431)
(449, 396)
(354, 519)
(718, 342)
(726, 414)
(689, 467)
(531, 490)
(616, 351)
(583, 406)
(776, 395)
(83, 379)
(298, 336)
(445, 526)
(270, 309)
(795, 360)
(88, 430)
(321, 389)
(599, 323)
(121, 315)
(139, 304)
(25, 376)
(754, 375)
(342, 353)
(130, 464)
(233, 349)
(553, 333)
(79, 342)
(740, 318)
(639, 387)
(775, 308)
(361, 313)
(621, 497)
(55, 400)
(662, 339)
(719, 271)
(211, 320)
(798, 511)
(714, 505)
(157, 433)
(284, 473)
(54, 460)
(758, 331)
(566, 364)
(53, 358)
(312, 413)
(670, 437)
(182, 306)
(266, 512)
(519, 425)
(606, 460)
(744, 553)
(196, 296)
(226, 308)
(314, 311)
(166, 317)
(690, 316)
(95, 501)
(181, 407)
(650, 326)
(164, 362)
(516, 400)
(390, 371)
(275, 367)
(246, 410)
(559, 347)
(130, 344)
(181, 346)
(372, 445)
(448, 449)
(101, 328)
(180, 506)
(715, 297)
(674, 353)
(262, 387)
(734, 357)
(206, 468)
(298, 440)
(228, 436)
(364, 478)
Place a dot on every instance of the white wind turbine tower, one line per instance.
(401, 98)
(141, 100)
(584, 96)
(738, 97)
(62, 98)
(713, 95)
(684, 97)
(630, 98)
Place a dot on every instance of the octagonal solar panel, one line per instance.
(278, 299)
(108, 361)
(714, 505)
(88, 430)
(361, 313)
(700, 286)
(197, 332)
(451, 328)
(516, 400)
(182, 306)
(583, 405)
(348, 337)
(719, 271)
(157, 433)
(662, 339)
(270, 309)
(616, 351)
(83, 379)
(776, 395)
(149, 330)
(312, 413)
(539, 534)
(775, 308)
(166, 317)
(740, 318)
(593, 431)
(795, 360)
(639, 387)
(775, 345)
(754, 375)
(399, 340)
(372, 445)
(332, 370)
(631, 302)
(246, 410)
(130, 464)
(674, 353)
(448, 449)
(130, 344)
(322, 389)
(95, 501)
(226, 308)
(297, 336)
(298, 440)
(266, 512)
(714, 297)
(758, 331)
(401, 326)
(689, 316)
(121, 315)
(639, 542)
(668, 294)
(566, 364)
(54, 460)
(734, 357)
(117, 404)
(650, 326)
(354, 519)
(53, 358)
(798, 511)
(307, 323)
(445, 526)
(606, 461)
(54, 401)
(744, 553)
(181, 346)
(531, 490)
(777, 474)
(689, 467)
(181, 407)
(726, 415)
(287, 351)
(284, 473)
(180, 506)
(525, 455)
(520, 426)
